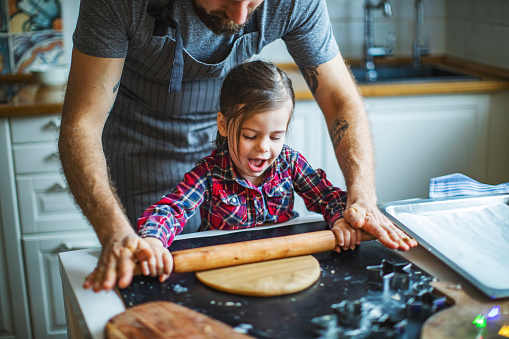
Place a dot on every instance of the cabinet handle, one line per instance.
(55, 123)
(55, 155)
(68, 246)
(59, 186)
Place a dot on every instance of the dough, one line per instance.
(266, 278)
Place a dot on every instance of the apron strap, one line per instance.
(252, 25)
(164, 19)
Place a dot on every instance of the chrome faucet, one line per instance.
(419, 49)
(370, 50)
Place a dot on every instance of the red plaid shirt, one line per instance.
(228, 201)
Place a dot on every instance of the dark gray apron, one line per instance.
(152, 137)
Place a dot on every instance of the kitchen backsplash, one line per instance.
(347, 18)
(31, 33)
(478, 30)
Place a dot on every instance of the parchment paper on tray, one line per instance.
(472, 240)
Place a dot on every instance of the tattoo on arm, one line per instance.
(338, 131)
(115, 88)
(310, 74)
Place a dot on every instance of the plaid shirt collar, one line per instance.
(224, 168)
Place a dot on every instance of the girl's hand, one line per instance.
(346, 236)
(156, 260)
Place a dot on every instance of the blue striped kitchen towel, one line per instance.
(454, 185)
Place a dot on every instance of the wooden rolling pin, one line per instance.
(209, 257)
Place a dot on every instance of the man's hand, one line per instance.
(337, 95)
(116, 263)
(371, 220)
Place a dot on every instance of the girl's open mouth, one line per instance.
(256, 165)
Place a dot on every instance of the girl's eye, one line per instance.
(278, 136)
(249, 137)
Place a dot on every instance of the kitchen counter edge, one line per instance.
(34, 99)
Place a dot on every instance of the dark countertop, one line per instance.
(344, 277)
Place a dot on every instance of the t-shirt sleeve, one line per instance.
(311, 41)
(102, 28)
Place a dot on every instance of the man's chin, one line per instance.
(226, 30)
(218, 24)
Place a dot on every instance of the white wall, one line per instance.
(479, 31)
(70, 10)
(347, 17)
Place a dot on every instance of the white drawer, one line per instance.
(45, 205)
(36, 158)
(43, 279)
(35, 128)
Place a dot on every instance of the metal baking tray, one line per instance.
(464, 233)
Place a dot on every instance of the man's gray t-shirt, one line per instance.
(107, 28)
(152, 137)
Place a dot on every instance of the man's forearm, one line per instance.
(85, 168)
(91, 92)
(352, 143)
(341, 103)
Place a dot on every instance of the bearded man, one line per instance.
(142, 99)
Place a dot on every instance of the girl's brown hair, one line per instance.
(250, 88)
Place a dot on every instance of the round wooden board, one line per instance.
(266, 278)
(165, 320)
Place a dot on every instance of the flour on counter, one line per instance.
(179, 289)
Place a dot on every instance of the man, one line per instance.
(141, 106)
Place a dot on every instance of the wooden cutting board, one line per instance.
(263, 279)
(164, 319)
(456, 321)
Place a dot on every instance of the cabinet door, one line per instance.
(14, 315)
(418, 138)
(46, 205)
(6, 320)
(44, 283)
(415, 139)
(308, 134)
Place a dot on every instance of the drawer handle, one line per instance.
(67, 246)
(59, 186)
(55, 155)
(55, 123)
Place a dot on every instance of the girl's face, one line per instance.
(261, 141)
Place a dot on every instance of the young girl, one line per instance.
(251, 177)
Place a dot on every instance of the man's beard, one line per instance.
(218, 22)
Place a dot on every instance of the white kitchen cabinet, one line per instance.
(415, 139)
(38, 220)
(43, 277)
(14, 313)
(46, 206)
(498, 157)
(418, 138)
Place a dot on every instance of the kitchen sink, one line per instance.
(408, 73)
